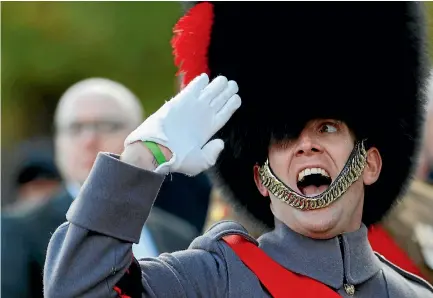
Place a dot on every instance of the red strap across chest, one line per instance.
(279, 281)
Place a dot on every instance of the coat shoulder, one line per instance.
(240, 280)
(216, 232)
(396, 276)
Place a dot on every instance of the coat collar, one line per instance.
(323, 260)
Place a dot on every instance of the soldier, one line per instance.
(312, 152)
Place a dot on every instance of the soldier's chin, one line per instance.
(320, 223)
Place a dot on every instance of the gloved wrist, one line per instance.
(137, 154)
(164, 168)
(161, 153)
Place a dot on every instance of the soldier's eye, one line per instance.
(328, 128)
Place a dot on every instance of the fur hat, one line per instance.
(360, 62)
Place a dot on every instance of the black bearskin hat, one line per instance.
(359, 62)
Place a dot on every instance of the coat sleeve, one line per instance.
(91, 254)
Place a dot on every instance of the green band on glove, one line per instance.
(156, 151)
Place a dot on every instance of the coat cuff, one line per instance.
(116, 199)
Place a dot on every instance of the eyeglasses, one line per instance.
(99, 127)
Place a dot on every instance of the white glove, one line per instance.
(187, 122)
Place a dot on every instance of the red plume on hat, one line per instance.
(191, 41)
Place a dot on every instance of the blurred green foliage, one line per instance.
(47, 46)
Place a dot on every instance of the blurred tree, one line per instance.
(47, 46)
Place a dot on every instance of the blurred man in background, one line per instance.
(94, 115)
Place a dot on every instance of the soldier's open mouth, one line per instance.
(319, 190)
(312, 182)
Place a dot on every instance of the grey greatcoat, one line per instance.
(88, 255)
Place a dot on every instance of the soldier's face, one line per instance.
(308, 165)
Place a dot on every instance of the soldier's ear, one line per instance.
(262, 189)
(373, 168)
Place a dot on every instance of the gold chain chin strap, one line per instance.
(350, 173)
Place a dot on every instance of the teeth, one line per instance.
(301, 176)
(309, 171)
